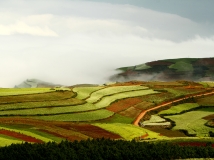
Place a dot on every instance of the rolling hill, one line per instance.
(193, 69)
(36, 83)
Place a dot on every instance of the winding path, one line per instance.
(142, 114)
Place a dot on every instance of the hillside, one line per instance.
(193, 69)
(36, 83)
(41, 115)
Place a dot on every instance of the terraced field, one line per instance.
(194, 122)
(20, 91)
(179, 108)
(42, 115)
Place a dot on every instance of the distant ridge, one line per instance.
(35, 83)
(195, 69)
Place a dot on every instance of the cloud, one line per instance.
(69, 42)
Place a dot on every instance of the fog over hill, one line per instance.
(77, 42)
(194, 69)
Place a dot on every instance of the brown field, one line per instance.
(20, 136)
(206, 101)
(131, 112)
(91, 131)
(123, 104)
(144, 105)
(166, 132)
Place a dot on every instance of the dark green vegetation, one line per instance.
(105, 149)
(171, 69)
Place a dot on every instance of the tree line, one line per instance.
(104, 149)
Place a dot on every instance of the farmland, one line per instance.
(179, 108)
(194, 122)
(78, 113)
(20, 91)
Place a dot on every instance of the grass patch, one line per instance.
(78, 117)
(85, 92)
(95, 96)
(179, 108)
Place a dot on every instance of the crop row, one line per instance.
(85, 92)
(19, 91)
(50, 110)
(44, 139)
(106, 101)
(49, 96)
(49, 104)
(85, 116)
(95, 96)
(179, 108)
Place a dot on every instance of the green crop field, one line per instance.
(95, 96)
(155, 121)
(192, 121)
(207, 83)
(85, 92)
(179, 108)
(48, 96)
(19, 91)
(181, 92)
(27, 105)
(127, 131)
(142, 67)
(51, 110)
(182, 66)
(106, 101)
(78, 117)
(7, 141)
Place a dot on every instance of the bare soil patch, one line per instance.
(123, 104)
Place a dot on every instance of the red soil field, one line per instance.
(123, 104)
(91, 131)
(20, 136)
(209, 117)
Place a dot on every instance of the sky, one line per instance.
(73, 42)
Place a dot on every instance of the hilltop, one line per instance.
(193, 69)
(36, 83)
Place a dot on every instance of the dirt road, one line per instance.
(142, 114)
